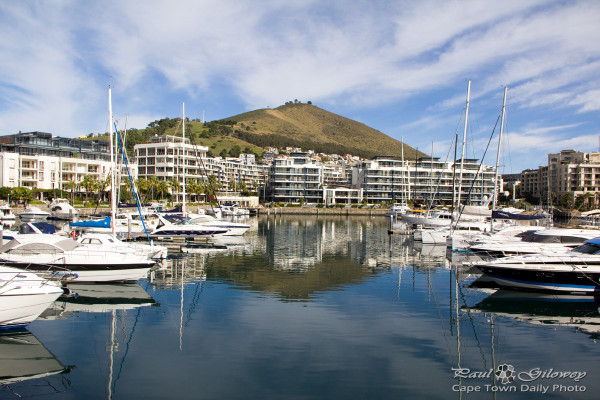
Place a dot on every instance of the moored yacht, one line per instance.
(233, 228)
(61, 209)
(106, 241)
(174, 225)
(23, 296)
(32, 213)
(534, 242)
(87, 263)
(577, 270)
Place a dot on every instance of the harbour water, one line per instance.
(307, 307)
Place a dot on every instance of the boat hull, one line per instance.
(544, 279)
(92, 272)
(18, 310)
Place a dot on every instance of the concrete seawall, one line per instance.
(83, 212)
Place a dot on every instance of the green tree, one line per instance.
(22, 194)
(174, 185)
(162, 190)
(235, 151)
(152, 183)
(233, 185)
(142, 187)
(567, 201)
(71, 186)
(5, 193)
(196, 187)
(89, 184)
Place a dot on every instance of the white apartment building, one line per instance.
(38, 160)
(168, 157)
(385, 179)
(294, 179)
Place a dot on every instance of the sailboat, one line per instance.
(435, 227)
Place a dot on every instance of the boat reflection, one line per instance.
(99, 298)
(574, 311)
(23, 357)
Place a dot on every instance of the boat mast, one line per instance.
(183, 121)
(496, 191)
(405, 187)
(462, 158)
(113, 204)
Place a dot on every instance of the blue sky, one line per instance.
(398, 66)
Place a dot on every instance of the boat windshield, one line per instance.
(588, 248)
(185, 222)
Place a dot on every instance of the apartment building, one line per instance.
(168, 157)
(427, 179)
(39, 160)
(569, 171)
(295, 178)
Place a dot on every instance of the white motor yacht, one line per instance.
(233, 228)
(61, 209)
(106, 240)
(397, 209)
(544, 240)
(29, 228)
(233, 210)
(32, 213)
(88, 263)
(23, 296)
(577, 270)
(176, 225)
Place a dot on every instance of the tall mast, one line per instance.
(183, 115)
(113, 202)
(462, 158)
(496, 191)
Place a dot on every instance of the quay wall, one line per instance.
(83, 212)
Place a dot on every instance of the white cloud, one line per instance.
(590, 100)
(57, 59)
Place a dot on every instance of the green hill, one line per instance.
(292, 125)
(310, 127)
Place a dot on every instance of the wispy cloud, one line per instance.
(58, 57)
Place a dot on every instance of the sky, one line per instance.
(401, 67)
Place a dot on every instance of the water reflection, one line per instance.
(305, 307)
(574, 311)
(99, 298)
(23, 357)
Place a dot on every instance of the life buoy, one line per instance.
(73, 234)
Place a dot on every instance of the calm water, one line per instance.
(305, 308)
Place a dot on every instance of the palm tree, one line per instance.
(152, 185)
(162, 189)
(70, 185)
(101, 186)
(142, 187)
(196, 187)
(89, 184)
(174, 185)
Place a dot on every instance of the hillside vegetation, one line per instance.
(310, 127)
(292, 125)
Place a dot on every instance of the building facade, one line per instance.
(168, 157)
(38, 160)
(425, 180)
(569, 171)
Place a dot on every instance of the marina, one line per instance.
(306, 306)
